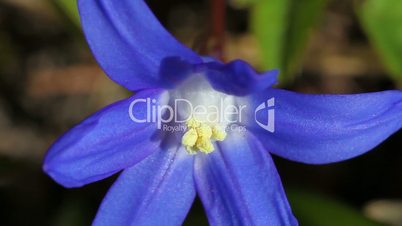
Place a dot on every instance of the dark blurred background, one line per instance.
(49, 81)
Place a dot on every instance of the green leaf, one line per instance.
(69, 7)
(282, 28)
(316, 210)
(382, 20)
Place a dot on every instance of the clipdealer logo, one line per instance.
(164, 115)
(266, 108)
(182, 110)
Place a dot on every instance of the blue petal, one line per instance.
(157, 191)
(175, 70)
(239, 185)
(129, 42)
(326, 128)
(238, 78)
(103, 144)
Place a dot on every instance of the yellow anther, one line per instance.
(191, 150)
(193, 123)
(198, 136)
(204, 131)
(205, 145)
(189, 138)
(218, 133)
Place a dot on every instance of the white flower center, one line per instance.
(205, 111)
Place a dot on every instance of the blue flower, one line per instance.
(226, 161)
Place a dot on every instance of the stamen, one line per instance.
(199, 136)
(218, 133)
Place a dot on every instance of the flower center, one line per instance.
(199, 136)
(205, 111)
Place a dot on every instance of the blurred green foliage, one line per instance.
(282, 28)
(316, 210)
(382, 20)
(69, 7)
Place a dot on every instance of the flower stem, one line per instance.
(218, 21)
